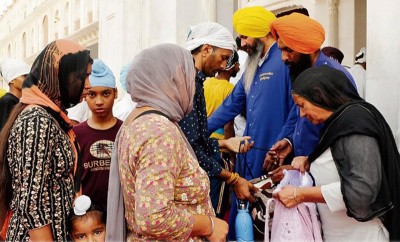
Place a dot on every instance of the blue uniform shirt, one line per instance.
(267, 105)
(305, 136)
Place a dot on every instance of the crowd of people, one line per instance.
(164, 162)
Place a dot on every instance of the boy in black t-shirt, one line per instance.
(96, 135)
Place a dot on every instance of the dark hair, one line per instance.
(198, 49)
(301, 10)
(333, 53)
(238, 42)
(94, 210)
(325, 87)
(5, 175)
(68, 64)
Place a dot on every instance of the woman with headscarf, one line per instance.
(38, 149)
(355, 165)
(165, 191)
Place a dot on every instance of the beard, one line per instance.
(297, 68)
(252, 63)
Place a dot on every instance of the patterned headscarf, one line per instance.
(46, 77)
(162, 77)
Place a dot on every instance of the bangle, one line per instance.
(235, 180)
(231, 178)
(212, 226)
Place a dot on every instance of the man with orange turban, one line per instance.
(263, 92)
(300, 38)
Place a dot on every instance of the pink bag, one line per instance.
(299, 223)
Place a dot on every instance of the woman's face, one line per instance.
(74, 84)
(313, 113)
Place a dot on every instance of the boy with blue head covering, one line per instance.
(96, 135)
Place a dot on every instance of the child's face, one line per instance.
(101, 100)
(88, 229)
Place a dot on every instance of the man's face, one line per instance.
(17, 82)
(289, 56)
(248, 44)
(296, 61)
(214, 60)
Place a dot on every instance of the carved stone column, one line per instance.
(333, 22)
(211, 9)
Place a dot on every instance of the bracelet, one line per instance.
(212, 226)
(235, 179)
(231, 178)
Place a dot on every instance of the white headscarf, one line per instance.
(210, 33)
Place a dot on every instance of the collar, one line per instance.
(265, 57)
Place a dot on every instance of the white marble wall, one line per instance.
(383, 58)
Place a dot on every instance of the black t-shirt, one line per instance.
(7, 103)
(96, 147)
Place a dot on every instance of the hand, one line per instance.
(235, 143)
(270, 163)
(301, 163)
(288, 196)
(220, 230)
(244, 190)
(278, 152)
(277, 174)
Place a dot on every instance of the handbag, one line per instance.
(299, 223)
(260, 212)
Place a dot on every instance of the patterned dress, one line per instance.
(163, 184)
(40, 158)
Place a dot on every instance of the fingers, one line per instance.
(269, 163)
(245, 145)
(301, 163)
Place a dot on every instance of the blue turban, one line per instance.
(101, 75)
(123, 74)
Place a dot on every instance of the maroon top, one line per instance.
(96, 147)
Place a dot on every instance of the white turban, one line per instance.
(13, 68)
(210, 33)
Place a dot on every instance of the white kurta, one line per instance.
(336, 225)
(359, 75)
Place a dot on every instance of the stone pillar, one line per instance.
(211, 9)
(333, 22)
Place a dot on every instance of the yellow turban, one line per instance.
(252, 21)
(299, 32)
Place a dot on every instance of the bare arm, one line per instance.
(41, 234)
(291, 196)
(203, 228)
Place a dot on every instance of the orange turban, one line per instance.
(299, 32)
(252, 21)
